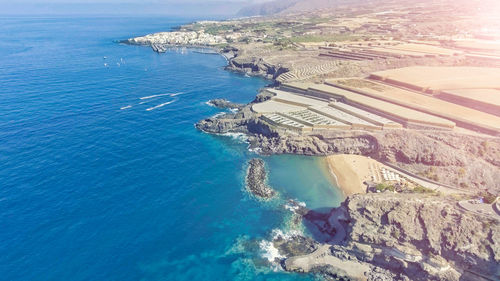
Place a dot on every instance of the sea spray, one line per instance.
(239, 137)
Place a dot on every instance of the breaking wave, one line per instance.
(237, 136)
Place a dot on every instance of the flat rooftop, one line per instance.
(295, 99)
(377, 119)
(341, 115)
(272, 106)
(310, 117)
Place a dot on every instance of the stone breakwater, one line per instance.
(256, 179)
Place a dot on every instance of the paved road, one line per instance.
(425, 183)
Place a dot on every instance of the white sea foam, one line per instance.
(237, 136)
(256, 150)
(125, 107)
(209, 104)
(218, 114)
(270, 252)
(160, 105)
(295, 207)
(277, 233)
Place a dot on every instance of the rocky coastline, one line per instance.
(465, 161)
(225, 104)
(387, 236)
(382, 236)
(398, 237)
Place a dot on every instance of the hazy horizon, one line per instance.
(191, 8)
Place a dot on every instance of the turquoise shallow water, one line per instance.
(96, 187)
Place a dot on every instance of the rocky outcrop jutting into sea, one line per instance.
(417, 237)
(256, 179)
(225, 104)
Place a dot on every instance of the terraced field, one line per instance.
(490, 97)
(401, 113)
(464, 115)
(442, 78)
(341, 115)
(311, 118)
(423, 48)
(365, 115)
(283, 121)
(306, 72)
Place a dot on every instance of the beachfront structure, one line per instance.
(388, 175)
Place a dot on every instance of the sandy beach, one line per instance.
(351, 171)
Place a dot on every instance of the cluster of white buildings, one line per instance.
(194, 38)
(390, 175)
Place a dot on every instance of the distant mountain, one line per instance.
(288, 6)
(268, 8)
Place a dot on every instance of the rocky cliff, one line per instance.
(256, 67)
(461, 160)
(415, 237)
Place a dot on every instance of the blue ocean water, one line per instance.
(94, 186)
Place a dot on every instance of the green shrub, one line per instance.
(421, 189)
(395, 233)
(383, 187)
(488, 198)
(461, 172)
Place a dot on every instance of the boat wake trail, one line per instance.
(161, 95)
(176, 94)
(148, 99)
(155, 96)
(160, 105)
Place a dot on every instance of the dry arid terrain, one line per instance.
(411, 89)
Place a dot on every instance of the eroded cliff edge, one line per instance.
(388, 236)
(468, 162)
(401, 237)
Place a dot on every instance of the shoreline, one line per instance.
(348, 172)
(332, 176)
(345, 172)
